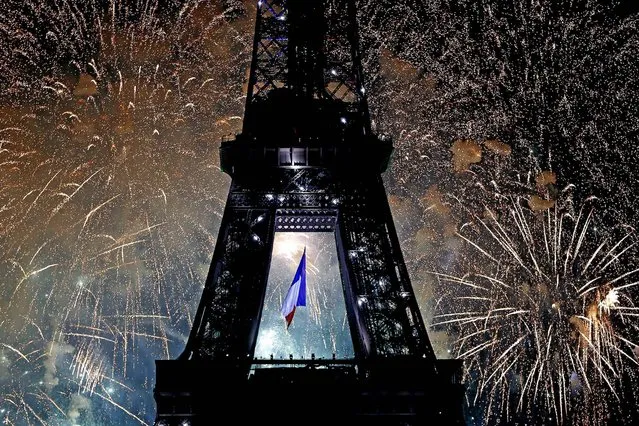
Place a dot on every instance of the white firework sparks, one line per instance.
(544, 315)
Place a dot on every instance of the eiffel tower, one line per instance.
(307, 161)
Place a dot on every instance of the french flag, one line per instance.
(296, 295)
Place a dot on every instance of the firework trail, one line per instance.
(543, 312)
(110, 196)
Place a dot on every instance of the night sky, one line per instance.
(513, 188)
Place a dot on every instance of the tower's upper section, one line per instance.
(305, 101)
(306, 77)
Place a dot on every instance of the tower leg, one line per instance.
(227, 320)
(384, 315)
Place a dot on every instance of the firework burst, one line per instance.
(544, 315)
(108, 168)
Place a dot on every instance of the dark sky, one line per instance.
(627, 7)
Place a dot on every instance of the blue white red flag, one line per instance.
(296, 295)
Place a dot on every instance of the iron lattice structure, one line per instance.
(307, 161)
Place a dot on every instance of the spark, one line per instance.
(527, 317)
(16, 351)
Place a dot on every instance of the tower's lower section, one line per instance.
(397, 392)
